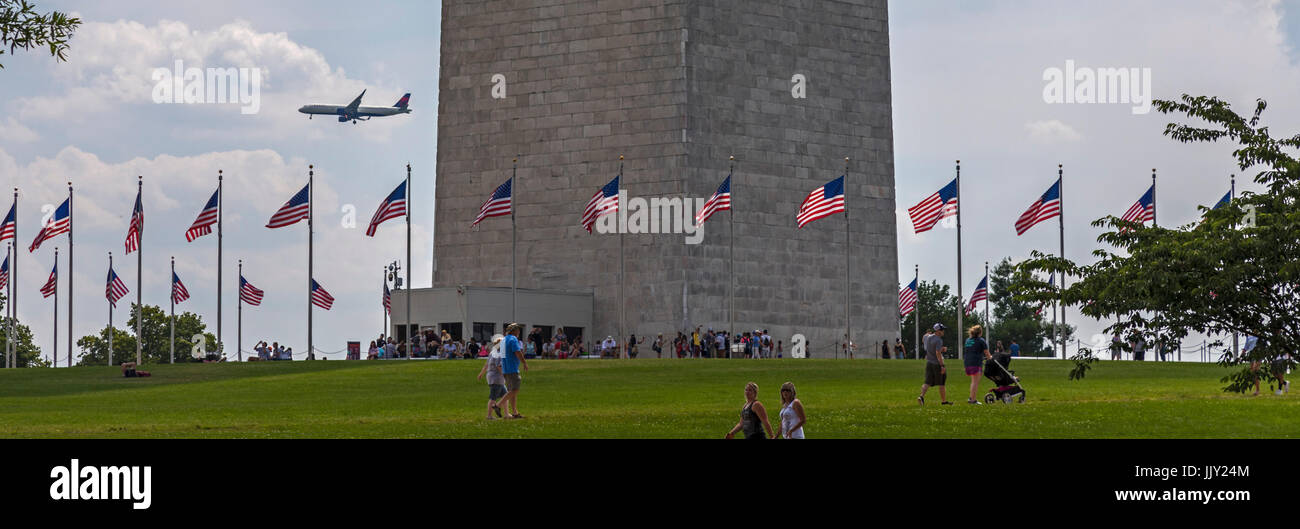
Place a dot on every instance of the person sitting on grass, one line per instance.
(752, 415)
(129, 371)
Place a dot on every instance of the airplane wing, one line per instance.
(352, 107)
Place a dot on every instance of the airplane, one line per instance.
(354, 111)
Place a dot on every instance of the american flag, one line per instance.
(203, 224)
(137, 225)
(823, 202)
(1048, 206)
(1144, 209)
(907, 299)
(499, 204)
(53, 284)
(248, 293)
(296, 209)
(4, 273)
(1227, 198)
(58, 224)
(934, 208)
(115, 289)
(604, 202)
(179, 293)
(1051, 283)
(721, 200)
(981, 294)
(393, 207)
(388, 300)
(9, 230)
(319, 297)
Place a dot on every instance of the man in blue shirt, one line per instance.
(1015, 348)
(514, 358)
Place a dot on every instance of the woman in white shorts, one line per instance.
(792, 415)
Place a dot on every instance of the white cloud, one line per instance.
(1051, 131)
(13, 131)
(112, 73)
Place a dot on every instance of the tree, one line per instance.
(94, 348)
(937, 304)
(1018, 319)
(157, 339)
(1235, 271)
(21, 27)
(28, 355)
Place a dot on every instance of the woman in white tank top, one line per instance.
(792, 415)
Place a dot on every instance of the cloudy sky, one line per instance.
(968, 84)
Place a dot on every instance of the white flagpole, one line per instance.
(622, 299)
(960, 310)
(311, 175)
(731, 281)
(1060, 173)
(70, 276)
(55, 355)
(410, 337)
(221, 206)
(110, 316)
(172, 324)
(139, 282)
(514, 244)
(239, 315)
(848, 279)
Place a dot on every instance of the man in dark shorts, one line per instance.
(935, 372)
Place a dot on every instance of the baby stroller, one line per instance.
(995, 369)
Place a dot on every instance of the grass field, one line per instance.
(624, 399)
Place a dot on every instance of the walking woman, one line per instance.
(977, 351)
(792, 415)
(752, 416)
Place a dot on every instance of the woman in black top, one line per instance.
(751, 416)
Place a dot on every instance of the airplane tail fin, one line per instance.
(405, 100)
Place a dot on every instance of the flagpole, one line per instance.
(221, 349)
(731, 276)
(916, 313)
(172, 324)
(622, 299)
(55, 355)
(139, 282)
(311, 175)
(1060, 173)
(13, 280)
(13, 286)
(70, 278)
(384, 309)
(110, 314)
(1231, 195)
(960, 310)
(9, 289)
(410, 339)
(239, 315)
(514, 244)
(848, 279)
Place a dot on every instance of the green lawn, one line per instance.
(643, 398)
